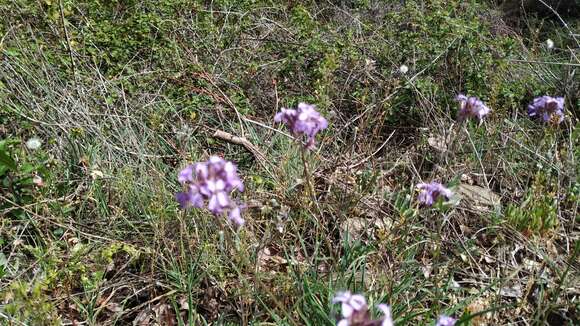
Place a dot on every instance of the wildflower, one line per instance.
(235, 215)
(446, 321)
(471, 107)
(549, 43)
(33, 143)
(431, 192)
(303, 121)
(403, 69)
(387, 319)
(355, 312)
(350, 303)
(213, 181)
(548, 108)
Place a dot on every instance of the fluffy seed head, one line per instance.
(33, 143)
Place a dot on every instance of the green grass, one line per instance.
(123, 94)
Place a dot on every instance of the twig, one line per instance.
(374, 153)
(270, 128)
(261, 158)
(157, 298)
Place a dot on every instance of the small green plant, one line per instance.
(18, 178)
(29, 303)
(538, 213)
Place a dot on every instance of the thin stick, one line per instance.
(241, 141)
(374, 153)
(270, 128)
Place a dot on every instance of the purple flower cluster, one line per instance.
(548, 108)
(355, 312)
(445, 321)
(213, 181)
(471, 107)
(431, 192)
(303, 121)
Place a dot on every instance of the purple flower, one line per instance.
(446, 321)
(354, 308)
(548, 108)
(235, 215)
(351, 304)
(191, 198)
(430, 192)
(213, 181)
(355, 312)
(303, 121)
(185, 175)
(388, 318)
(471, 107)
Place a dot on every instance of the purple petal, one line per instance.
(388, 318)
(223, 199)
(213, 205)
(446, 321)
(201, 171)
(358, 302)
(341, 297)
(236, 216)
(347, 310)
(183, 199)
(343, 322)
(185, 175)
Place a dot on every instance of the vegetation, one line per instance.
(123, 94)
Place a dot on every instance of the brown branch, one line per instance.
(261, 158)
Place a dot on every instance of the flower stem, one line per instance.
(307, 175)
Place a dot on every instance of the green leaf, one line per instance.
(7, 161)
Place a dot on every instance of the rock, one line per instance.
(479, 198)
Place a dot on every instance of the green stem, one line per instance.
(307, 176)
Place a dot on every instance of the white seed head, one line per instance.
(403, 69)
(33, 143)
(37, 180)
(549, 43)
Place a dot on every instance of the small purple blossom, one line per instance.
(471, 107)
(431, 192)
(303, 121)
(388, 318)
(351, 304)
(446, 321)
(213, 181)
(355, 312)
(548, 108)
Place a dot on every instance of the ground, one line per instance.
(123, 94)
